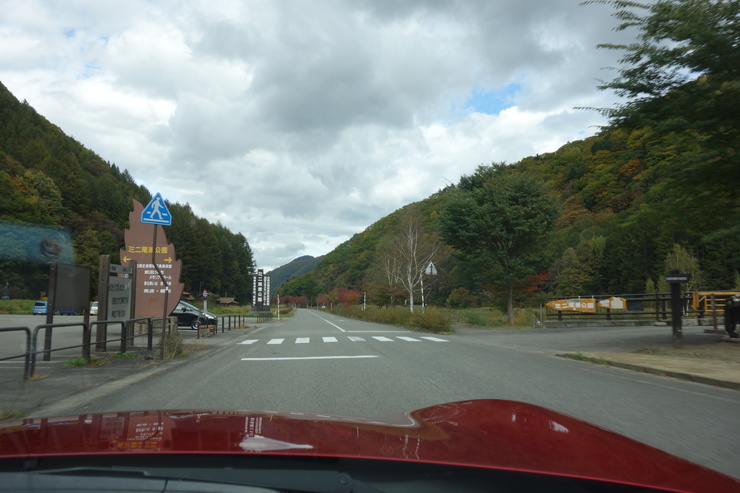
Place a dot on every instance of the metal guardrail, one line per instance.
(27, 354)
(32, 340)
(263, 316)
(47, 352)
(227, 322)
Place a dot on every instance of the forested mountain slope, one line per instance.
(295, 268)
(621, 219)
(51, 181)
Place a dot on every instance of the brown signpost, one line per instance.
(157, 268)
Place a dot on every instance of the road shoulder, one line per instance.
(717, 364)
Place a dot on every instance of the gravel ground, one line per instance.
(722, 351)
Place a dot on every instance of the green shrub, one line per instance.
(474, 317)
(460, 298)
(173, 345)
(493, 317)
(432, 320)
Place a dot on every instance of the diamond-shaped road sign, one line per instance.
(156, 212)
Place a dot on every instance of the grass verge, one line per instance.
(587, 359)
(78, 362)
(11, 415)
(16, 307)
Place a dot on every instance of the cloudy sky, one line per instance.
(299, 123)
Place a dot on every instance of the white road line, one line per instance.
(306, 340)
(312, 357)
(378, 331)
(325, 320)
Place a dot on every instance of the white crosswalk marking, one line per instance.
(307, 340)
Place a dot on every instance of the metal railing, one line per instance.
(263, 316)
(32, 340)
(229, 322)
(48, 328)
(26, 355)
(127, 337)
(640, 306)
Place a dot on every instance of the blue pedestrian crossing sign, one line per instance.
(156, 212)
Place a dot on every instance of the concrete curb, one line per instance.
(692, 377)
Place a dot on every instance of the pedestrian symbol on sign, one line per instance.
(156, 212)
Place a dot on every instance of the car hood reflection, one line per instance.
(493, 434)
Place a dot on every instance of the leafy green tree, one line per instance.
(460, 298)
(502, 219)
(580, 268)
(305, 286)
(681, 260)
(681, 76)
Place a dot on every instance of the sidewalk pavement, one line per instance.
(54, 389)
(723, 373)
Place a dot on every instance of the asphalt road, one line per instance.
(324, 364)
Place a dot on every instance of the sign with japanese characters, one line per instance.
(260, 291)
(583, 305)
(150, 288)
(119, 298)
(614, 303)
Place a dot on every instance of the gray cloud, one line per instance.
(300, 123)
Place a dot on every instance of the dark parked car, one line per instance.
(192, 316)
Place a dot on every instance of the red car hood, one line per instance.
(481, 433)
